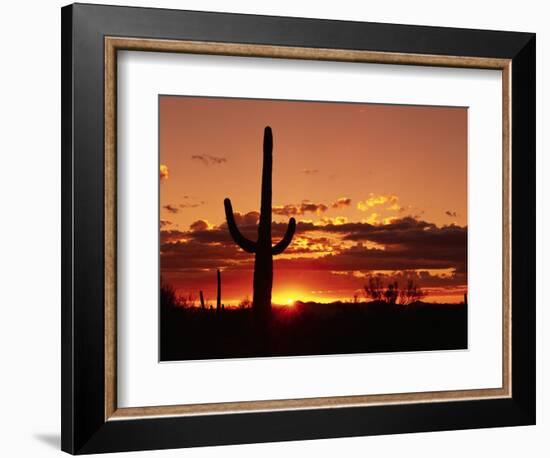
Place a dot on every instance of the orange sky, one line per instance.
(374, 188)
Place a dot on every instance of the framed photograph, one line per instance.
(281, 228)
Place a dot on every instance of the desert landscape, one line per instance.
(356, 268)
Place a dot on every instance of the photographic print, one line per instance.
(293, 228)
(334, 204)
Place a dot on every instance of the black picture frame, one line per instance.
(84, 427)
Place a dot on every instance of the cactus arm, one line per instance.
(247, 245)
(264, 227)
(285, 241)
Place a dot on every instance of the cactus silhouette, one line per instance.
(202, 299)
(219, 295)
(263, 248)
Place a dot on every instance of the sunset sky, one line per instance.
(375, 189)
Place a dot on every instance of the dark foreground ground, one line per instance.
(311, 329)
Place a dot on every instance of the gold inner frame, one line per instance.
(112, 45)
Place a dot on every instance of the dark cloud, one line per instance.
(170, 208)
(341, 202)
(207, 159)
(199, 225)
(406, 243)
(309, 207)
(218, 248)
(451, 214)
(330, 220)
(194, 205)
(301, 209)
(171, 235)
(191, 254)
(361, 258)
(247, 219)
(214, 236)
(401, 245)
(165, 222)
(434, 247)
(201, 231)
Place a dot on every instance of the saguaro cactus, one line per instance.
(202, 299)
(263, 248)
(219, 295)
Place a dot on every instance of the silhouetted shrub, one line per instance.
(374, 288)
(245, 303)
(392, 294)
(168, 296)
(411, 293)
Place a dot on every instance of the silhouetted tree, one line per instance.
(168, 296)
(187, 301)
(245, 303)
(410, 293)
(374, 288)
(391, 293)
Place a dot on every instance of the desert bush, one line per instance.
(374, 288)
(392, 294)
(245, 303)
(168, 297)
(411, 293)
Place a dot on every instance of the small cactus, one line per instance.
(202, 299)
(219, 295)
(262, 248)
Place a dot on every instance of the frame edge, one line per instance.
(523, 133)
(105, 436)
(67, 382)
